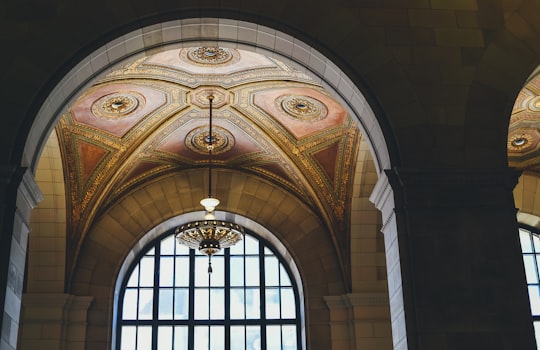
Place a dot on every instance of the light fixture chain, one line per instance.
(210, 235)
(210, 147)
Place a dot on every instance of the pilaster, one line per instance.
(19, 194)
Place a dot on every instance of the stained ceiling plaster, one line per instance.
(148, 120)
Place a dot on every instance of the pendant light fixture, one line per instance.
(209, 235)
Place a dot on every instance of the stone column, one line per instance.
(18, 195)
(455, 272)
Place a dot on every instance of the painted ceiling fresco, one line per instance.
(149, 120)
(524, 130)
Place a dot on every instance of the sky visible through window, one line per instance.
(169, 301)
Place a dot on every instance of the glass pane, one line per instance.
(181, 304)
(267, 251)
(537, 332)
(284, 276)
(180, 338)
(253, 338)
(181, 272)
(253, 303)
(165, 311)
(237, 249)
(201, 300)
(151, 252)
(271, 271)
(237, 271)
(237, 304)
(252, 271)
(129, 309)
(289, 337)
(181, 249)
(147, 271)
(217, 338)
(536, 243)
(217, 303)
(525, 240)
(134, 278)
(167, 245)
(273, 338)
(145, 304)
(534, 297)
(165, 337)
(530, 270)
(129, 337)
(166, 271)
(238, 338)
(272, 303)
(201, 337)
(144, 338)
(251, 245)
(201, 271)
(288, 309)
(217, 279)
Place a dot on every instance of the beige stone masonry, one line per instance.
(54, 321)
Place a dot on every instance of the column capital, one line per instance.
(29, 189)
(404, 177)
(419, 188)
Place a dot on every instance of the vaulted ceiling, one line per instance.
(149, 119)
(524, 130)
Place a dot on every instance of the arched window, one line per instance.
(169, 301)
(530, 246)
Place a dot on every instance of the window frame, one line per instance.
(227, 321)
(532, 232)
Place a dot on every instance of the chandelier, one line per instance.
(209, 235)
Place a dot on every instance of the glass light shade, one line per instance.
(209, 203)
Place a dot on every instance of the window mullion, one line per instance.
(262, 291)
(191, 296)
(155, 302)
(227, 266)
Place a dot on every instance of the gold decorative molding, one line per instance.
(197, 140)
(117, 105)
(303, 108)
(209, 56)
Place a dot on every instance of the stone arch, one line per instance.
(175, 34)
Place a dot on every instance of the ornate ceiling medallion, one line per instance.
(534, 104)
(521, 142)
(303, 108)
(117, 106)
(197, 140)
(210, 55)
(199, 97)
